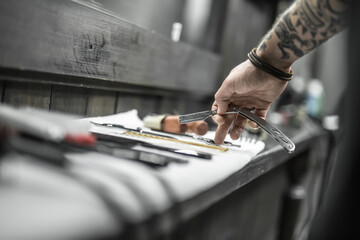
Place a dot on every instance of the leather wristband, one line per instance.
(257, 62)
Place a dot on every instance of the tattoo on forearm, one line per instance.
(307, 25)
(286, 32)
(263, 44)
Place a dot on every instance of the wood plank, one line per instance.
(67, 99)
(268, 203)
(169, 105)
(232, 216)
(100, 103)
(1, 90)
(145, 104)
(251, 212)
(21, 94)
(157, 15)
(184, 104)
(65, 37)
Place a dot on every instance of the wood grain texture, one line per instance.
(251, 212)
(100, 103)
(64, 37)
(20, 94)
(145, 104)
(169, 105)
(1, 90)
(67, 99)
(252, 207)
(157, 15)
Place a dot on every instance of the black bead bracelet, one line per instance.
(268, 68)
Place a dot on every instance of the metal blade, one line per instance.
(273, 131)
(193, 117)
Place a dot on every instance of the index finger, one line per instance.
(223, 129)
(219, 119)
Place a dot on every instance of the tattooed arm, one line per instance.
(300, 29)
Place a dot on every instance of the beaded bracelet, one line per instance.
(268, 68)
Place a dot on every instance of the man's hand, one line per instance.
(249, 87)
(245, 87)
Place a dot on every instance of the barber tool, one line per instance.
(49, 126)
(199, 127)
(211, 141)
(273, 131)
(138, 129)
(170, 123)
(139, 132)
(134, 153)
(126, 142)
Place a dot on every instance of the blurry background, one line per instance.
(230, 28)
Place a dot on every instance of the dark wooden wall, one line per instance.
(83, 101)
(73, 57)
(70, 39)
(154, 15)
(81, 58)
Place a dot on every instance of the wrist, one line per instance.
(274, 59)
(280, 73)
